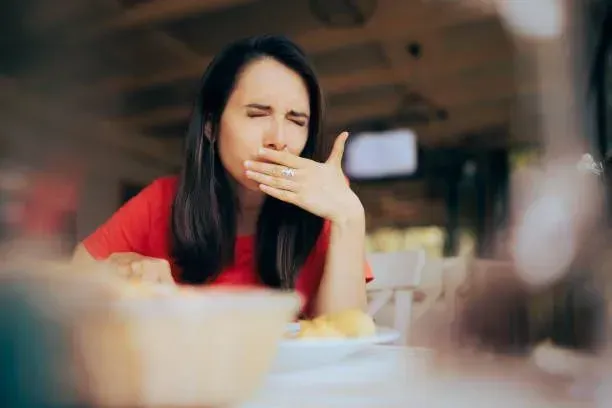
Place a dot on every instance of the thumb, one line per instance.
(338, 150)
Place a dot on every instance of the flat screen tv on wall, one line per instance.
(372, 156)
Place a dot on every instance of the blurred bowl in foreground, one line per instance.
(106, 342)
(206, 348)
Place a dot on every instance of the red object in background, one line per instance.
(51, 200)
(48, 202)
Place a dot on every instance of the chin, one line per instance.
(249, 184)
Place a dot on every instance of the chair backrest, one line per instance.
(396, 270)
(396, 275)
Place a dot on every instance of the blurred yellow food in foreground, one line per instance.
(350, 323)
(318, 328)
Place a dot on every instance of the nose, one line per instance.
(275, 137)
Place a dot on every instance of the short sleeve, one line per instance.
(369, 277)
(128, 229)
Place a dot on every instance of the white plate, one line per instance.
(299, 354)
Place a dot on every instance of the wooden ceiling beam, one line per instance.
(489, 92)
(486, 90)
(386, 109)
(344, 116)
(336, 84)
(163, 11)
(466, 120)
(58, 113)
(339, 116)
(395, 19)
(345, 82)
(157, 117)
(390, 25)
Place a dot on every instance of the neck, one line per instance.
(250, 204)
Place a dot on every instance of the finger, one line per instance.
(123, 270)
(335, 156)
(265, 168)
(161, 269)
(166, 277)
(147, 272)
(150, 275)
(121, 258)
(284, 157)
(271, 181)
(283, 195)
(137, 270)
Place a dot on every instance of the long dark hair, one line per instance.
(205, 209)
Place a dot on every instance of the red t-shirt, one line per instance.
(142, 226)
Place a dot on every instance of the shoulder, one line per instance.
(159, 196)
(160, 191)
(155, 200)
(133, 226)
(163, 186)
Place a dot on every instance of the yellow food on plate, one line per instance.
(351, 323)
(318, 329)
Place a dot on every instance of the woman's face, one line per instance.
(269, 107)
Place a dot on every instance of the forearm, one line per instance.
(343, 283)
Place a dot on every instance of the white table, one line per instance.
(389, 376)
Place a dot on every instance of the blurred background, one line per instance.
(452, 106)
(470, 121)
(103, 88)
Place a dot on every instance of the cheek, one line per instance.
(237, 142)
(297, 140)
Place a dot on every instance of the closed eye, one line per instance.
(299, 118)
(255, 110)
(300, 123)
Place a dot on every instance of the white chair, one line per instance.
(396, 276)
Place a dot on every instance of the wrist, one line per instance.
(351, 215)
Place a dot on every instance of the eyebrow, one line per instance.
(267, 108)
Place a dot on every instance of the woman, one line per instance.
(256, 203)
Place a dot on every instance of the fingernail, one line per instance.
(262, 150)
(247, 163)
